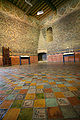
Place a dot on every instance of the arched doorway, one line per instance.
(42, 56)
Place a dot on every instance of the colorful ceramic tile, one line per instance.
(64, 89)
(56, 89)
(40, 103)
(54, 113)
(76, 93)
(31, 91)
(17, 104)
(11, 97)
(39, 90)
(30, 96)
(33, 84)
(68, 94)
(40, 96)
(61, 85)
(39, 113)
(20, 97)
(6, 104)
(39, 87)
(59, 95)
(51, 102)
(72, 88)
(2, 97)
(49, 95)
(62, 101)
(25, 113)
(52, 83)
(32, 87)
(18, 87)
(74, 100)
(68, 112)
(23, 91)
(12, 114)
(2, 113)
(27, 104)
(48, 90)
(77, 109)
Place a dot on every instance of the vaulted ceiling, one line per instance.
(37, 5)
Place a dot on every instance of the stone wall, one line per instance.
(65, 24)
(18, 31)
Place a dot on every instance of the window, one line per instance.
(49, 35)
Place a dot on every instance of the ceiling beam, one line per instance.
(50, 4)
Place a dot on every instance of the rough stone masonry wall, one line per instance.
(66, 30)
(18, 31)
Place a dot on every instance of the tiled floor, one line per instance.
(40, 92)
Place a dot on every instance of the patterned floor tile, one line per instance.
(64, 89)
(48, 90)
(76, 93)
(33, 86)
(39, 103)
(39, 113)
(68, 112)
(31, 91)
(23, 91)
(17, 104)
(39, 90)
(49, 95)
(39, 87)
(27, 104)
(74, 100)
(11, 97)
(62, 101)
(77, 109)
(72, 88)
(30, 96)
(68, 94)
(56, 89)
(59, 95)
(6, 104)
(2, 113)
(25, 113)
(61, 85)
(20, 97)
(54, 113)
(12, 114)
(40, 96)
(51, 102)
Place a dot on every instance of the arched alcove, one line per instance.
(49, 35)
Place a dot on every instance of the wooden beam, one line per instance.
(50, 4)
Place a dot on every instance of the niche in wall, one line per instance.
(42, 56)
(49, 34)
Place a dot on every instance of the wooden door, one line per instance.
(6, 57)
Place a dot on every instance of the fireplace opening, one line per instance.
(42, 57)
